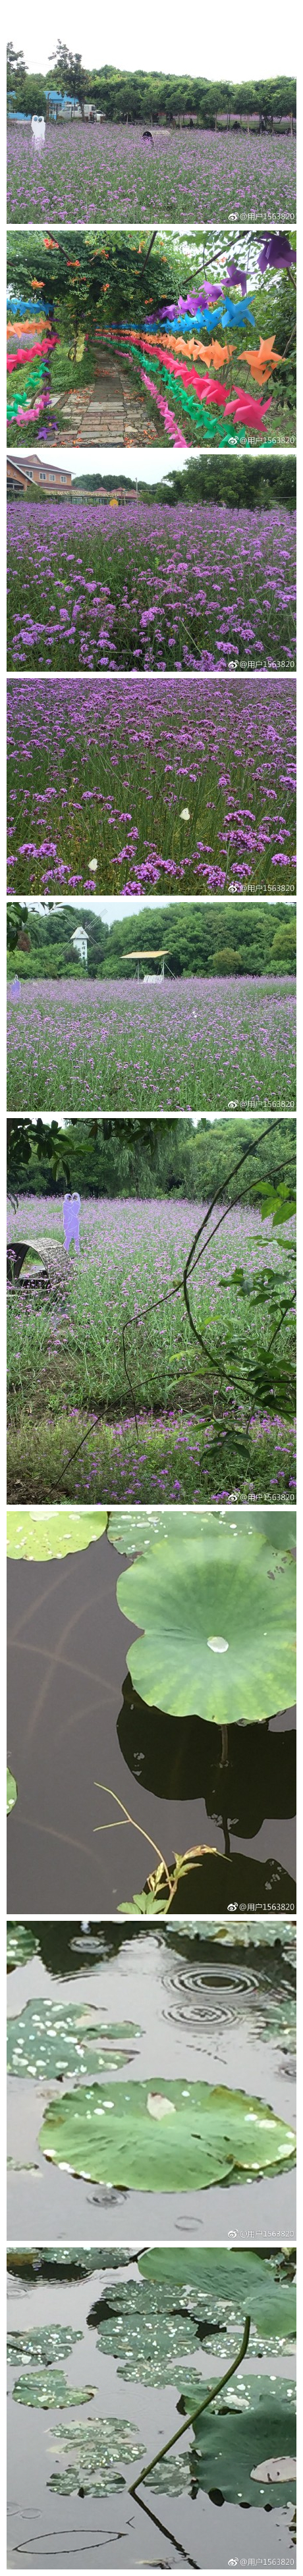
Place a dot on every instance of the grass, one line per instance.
(192, 1042)
(149, 1431)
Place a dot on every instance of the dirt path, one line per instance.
(110, 412)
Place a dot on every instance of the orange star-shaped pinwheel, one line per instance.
(261, 361)
(217, 354)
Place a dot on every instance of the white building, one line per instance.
(79, 943)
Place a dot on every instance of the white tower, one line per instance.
(79, 943)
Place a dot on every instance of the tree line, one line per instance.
(156, 95)
(149, 1158)
(206, 939)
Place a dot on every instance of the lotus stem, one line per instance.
(224, 1747)
(198, 2410)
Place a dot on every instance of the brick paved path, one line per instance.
(110, 412)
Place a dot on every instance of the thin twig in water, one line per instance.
(130, 1820)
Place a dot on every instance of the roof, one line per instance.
(144, 952)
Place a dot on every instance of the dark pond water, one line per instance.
(204, 2016)
(74, 1719)
(48, 2530)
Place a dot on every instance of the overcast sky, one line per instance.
(233, 45)
(150, 463)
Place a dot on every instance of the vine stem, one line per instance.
(198, 2410)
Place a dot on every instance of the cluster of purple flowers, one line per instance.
(192, 1043)
(193, 588)
(103, 173)
(101, 770)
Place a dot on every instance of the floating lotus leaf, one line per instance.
(244, 2447)
(42, 2344)
(21, 1944)
(132, 1531)
(49, 2388)
(39, 1534)
(164, 2137)
(172, 2476)
(64, 2039)
(71, 2262)
(97, 2447)
(146, 2331)
(11, 1791)
(96, 2482)
(218, 1621)
(225, 2286)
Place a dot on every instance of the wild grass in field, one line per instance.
(152, 1407)
(150, 784)
(217, 1042)
(195, 587)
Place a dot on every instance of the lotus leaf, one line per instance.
(39, 1533)
(53, 2262)
(185, 2138)
(42, 2344)
(49, 2388)
(228, 2285)
(11, 1791)
(244, 2447)
(146, 2331)
(97, 2447)
(64, 2039)
(172, 2476)
(218, 1622)
(96, 2482)
(21, 1944)
(132, 1531)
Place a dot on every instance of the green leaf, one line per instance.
(230, 2286)
(21, 1944)
(39, 1533)
(164, 2137)
(94, 2482)
(41, 2344)
(147, 2331)
(71, 2262)
(11, 1791)
(134, 1531)
(172, 2476)
(97, 2447)
(218, 1616)
(49, 2388)
(244, 2448)
(64, 2039)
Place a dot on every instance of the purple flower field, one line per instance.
(66, 1369)
(196, 587)
(99, 772)
(105, 174)
(192, 1043)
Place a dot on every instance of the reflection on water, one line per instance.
(74, 1721)
(47, 2530)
